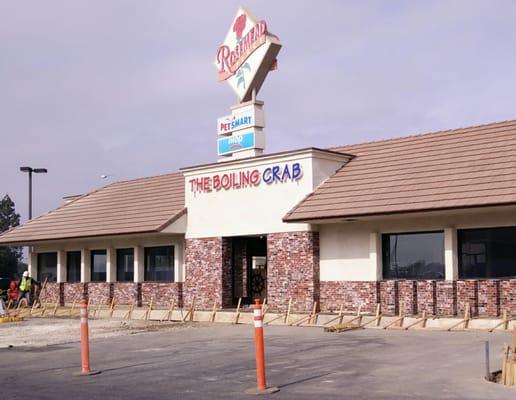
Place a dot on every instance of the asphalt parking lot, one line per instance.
(216, 362)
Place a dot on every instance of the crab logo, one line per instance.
(248, 53)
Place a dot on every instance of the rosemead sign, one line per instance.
(248, 53)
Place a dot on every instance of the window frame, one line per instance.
(93, 253)
(387, 235)
(146, 249)
(460, 256)
(118, 259)
(46, 253)
(68, 252)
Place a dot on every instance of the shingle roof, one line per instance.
(468, 167)
(136, 206)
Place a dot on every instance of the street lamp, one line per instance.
(30, 170)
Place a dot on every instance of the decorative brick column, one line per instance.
(349, 294)
(446, 297)
(467, 292)
(208, 272)
(508, 296)
(489, 297)
(389, 304)
(427, 297)
(293, 269)
(408, 296)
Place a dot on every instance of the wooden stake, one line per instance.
(129, 313)
(237, 314)
(168, 314)
(376, 318)
(73, 305)
(419, 321)
(287, 316)
(340, 315)
(147, 314)
(37, 301)
(213, 311)
(465, 320)
(56, 306)
(112, 307)
(313, 316)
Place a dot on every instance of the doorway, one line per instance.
(249, 268)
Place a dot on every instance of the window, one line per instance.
(125, 265)
(98, 265)
(73, 266)
(159, 263)
(413, 255)
(487, 253)
(47, 267)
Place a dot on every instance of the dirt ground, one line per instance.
(37, 332)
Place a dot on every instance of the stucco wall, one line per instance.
(351, 251)
(254, 209)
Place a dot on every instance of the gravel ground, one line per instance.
(37, 332)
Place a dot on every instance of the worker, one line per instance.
(25, 286)
(13, 293)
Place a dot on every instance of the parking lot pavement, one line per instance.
(216, 362)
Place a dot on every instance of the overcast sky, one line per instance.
(128, 88)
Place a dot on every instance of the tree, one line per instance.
(9, 256)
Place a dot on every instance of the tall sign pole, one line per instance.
(243, 60)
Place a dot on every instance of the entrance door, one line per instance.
(249, 268)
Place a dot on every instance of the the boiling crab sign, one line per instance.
(248, 53)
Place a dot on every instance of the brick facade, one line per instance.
(208, 272)
(427, 297)
(508, 296)
(99, 293)
(446, 297)
(389, 299)
(126, 293)
(162, 293)
(293, 269)
(51, 293)
(74, 292)
(349, 294)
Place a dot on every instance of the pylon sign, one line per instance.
(247, 55)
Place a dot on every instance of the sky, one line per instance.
(129, 88)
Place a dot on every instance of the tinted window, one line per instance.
(125, 265)
(73, 266)
(413, 255)
(47, 267)
(159, 263)
(487, 253)
(98, 265)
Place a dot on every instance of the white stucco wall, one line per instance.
(351, 251)
(254, 209)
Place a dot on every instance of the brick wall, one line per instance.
(427, 297)
(208, 272)
(467, 292)
(508, 296)
(293, 269)
(407, 291)
(74, 292)
(126, 293)
(162, 293)
(99, 293)
(389, 299)
(489, 297)
(348, 294)
(51, 293)
(446, 297)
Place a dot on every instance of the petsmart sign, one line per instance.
(274, 174)
(246, 117)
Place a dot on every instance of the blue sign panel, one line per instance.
(232, 144)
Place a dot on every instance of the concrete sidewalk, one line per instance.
(216, 362)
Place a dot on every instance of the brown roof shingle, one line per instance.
(468, 167)
(127, 207)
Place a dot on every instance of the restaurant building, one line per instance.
(425, 222)
(418, 223)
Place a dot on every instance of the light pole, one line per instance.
(30, 170)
